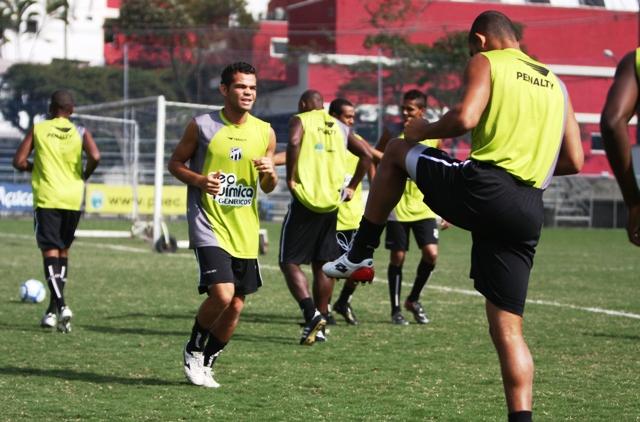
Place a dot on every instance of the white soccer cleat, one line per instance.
(64, 321)
(193, 366)
(343, 268)
(49, 320)
(207, 378)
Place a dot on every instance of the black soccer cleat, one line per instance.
(346, 312)
(311, 329)
(330, 319)
(417, 310)
(398, 319)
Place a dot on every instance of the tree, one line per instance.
(28, 87)
(13, 13)
(191, 37)
(436, 68)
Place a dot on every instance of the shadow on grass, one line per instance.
(269, 318)
(615, 336)
(186, 315)
(71, 375)
(32, 327)
(252, 338)
(134, 330)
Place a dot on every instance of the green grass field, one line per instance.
(134, 309)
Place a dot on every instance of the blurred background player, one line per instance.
(229, 153)
(622, 103)
(411, 214)
(350, 212)
(496, 194)
(58, 189)
(315, 161)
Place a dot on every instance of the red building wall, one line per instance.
(314, 26)
(553, 35)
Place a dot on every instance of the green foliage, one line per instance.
(28, 87)
(12, 14)
(187, 36)
(133, 312)
(58, 9)
(436, 68)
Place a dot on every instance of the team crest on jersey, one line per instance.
(235, 153)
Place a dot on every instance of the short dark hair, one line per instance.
(61, 100)
(418, 96)
(226, 77)
(335, 108)
(493, 23)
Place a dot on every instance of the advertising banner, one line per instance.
(16, 197)
(112, 199)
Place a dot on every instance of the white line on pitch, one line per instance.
(378, 280)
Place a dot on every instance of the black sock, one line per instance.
(64, 271)
(345, 293)
(308, 308)
(212, 350)
(521, 416)
(199, 335)
(422, 276)
(51, 270)
(365, 241)
(394, 275)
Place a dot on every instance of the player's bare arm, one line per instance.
(185, 149)
(571, 157)
(362, 150)
(21, 158)
(266, 166)
(378, 151)
(293, 150)
(465, 115)
(621, 104)
(93, 154)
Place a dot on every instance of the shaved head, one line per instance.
(61, 102)
(493, 24)
(310, 100)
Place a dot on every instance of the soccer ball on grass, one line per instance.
(32, 291)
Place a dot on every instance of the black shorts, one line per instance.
(54, 228)
(217, 266)
(308, 236)
(503, 214)
(397, 235)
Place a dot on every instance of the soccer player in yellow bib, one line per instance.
(621, 105)
(315, 160)
(411, 214)
(58, 189)
(229, 154)
(523, 132)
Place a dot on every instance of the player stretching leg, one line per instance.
(496, 194)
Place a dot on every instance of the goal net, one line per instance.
(136, 138)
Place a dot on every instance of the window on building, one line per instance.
(278, 47)
(597, 3)
(32, 26)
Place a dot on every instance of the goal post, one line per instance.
(136, 136)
